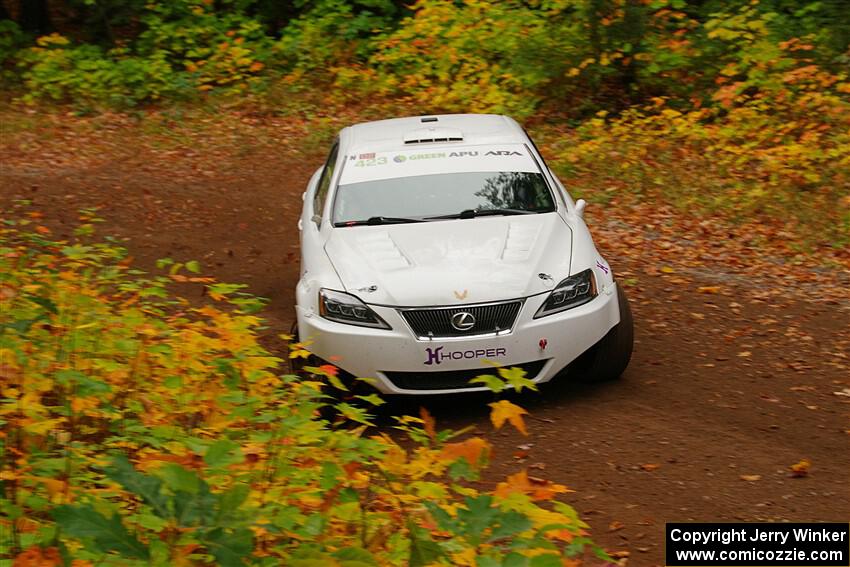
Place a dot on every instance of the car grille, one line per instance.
(453, 379)
(437, 322)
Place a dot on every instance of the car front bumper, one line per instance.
(400, 363)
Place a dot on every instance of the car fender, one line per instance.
(316, 268)
(586, 256)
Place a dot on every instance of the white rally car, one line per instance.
(434, 247)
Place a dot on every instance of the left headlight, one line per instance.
(574, 291)
(345, 308)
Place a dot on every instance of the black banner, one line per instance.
(758, 545)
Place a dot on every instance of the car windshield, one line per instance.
(443, 195)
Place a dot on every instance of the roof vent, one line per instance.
(433, 134)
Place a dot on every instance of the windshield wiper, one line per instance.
(472, 213)
(378, 220)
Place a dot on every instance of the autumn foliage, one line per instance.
(141, 429)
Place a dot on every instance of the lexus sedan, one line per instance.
(434, 248)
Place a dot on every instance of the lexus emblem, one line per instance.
(463, 321)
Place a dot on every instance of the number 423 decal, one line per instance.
(369, 162)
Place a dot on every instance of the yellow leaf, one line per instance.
(42, 427)
(751, 477)
(465, 557)
(667, 270)
(504, 410)
(299, 353)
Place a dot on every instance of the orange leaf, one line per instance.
(800, 469)
(474, 450)
(504, 410)
(429, 424)
(37, 557)
(709, 289)
(330, 369)
(537, 488)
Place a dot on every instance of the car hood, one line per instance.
(452, 262)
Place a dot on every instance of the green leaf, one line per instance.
(373, 399)
(179, 479)
(423, 549)
(510, 523)
(355, 557)
(230, 501)
(490, 381)
(76, 252)
(229, 549)
(515, 376)
(546, 560)
(193, 266)
(108, 534)
(85, 385)
(148, 488)
(222, 453)
(195, 509)
(44, 302)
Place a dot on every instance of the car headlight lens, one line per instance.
(574, 291)
(345, 308)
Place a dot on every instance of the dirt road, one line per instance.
(728, 387)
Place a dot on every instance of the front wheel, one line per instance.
(608, 359)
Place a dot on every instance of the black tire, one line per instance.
(608, 359)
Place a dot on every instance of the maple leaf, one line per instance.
(503, 410)
(298, 351)
(474, 450)
(515, 376)
(536, 488)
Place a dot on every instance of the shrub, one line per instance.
(474, 56)
(139, 429)
(774, 142)
(56, 70)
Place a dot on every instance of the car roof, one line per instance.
(430, 131)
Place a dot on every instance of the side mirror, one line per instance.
(581, 204)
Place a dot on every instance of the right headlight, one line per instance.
(346, 308)
(574, 291)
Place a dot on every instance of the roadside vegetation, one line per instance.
(139, 429)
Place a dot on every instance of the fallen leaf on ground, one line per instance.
(615, 525)
(801, 469)
(649, 467)
(751, 477)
